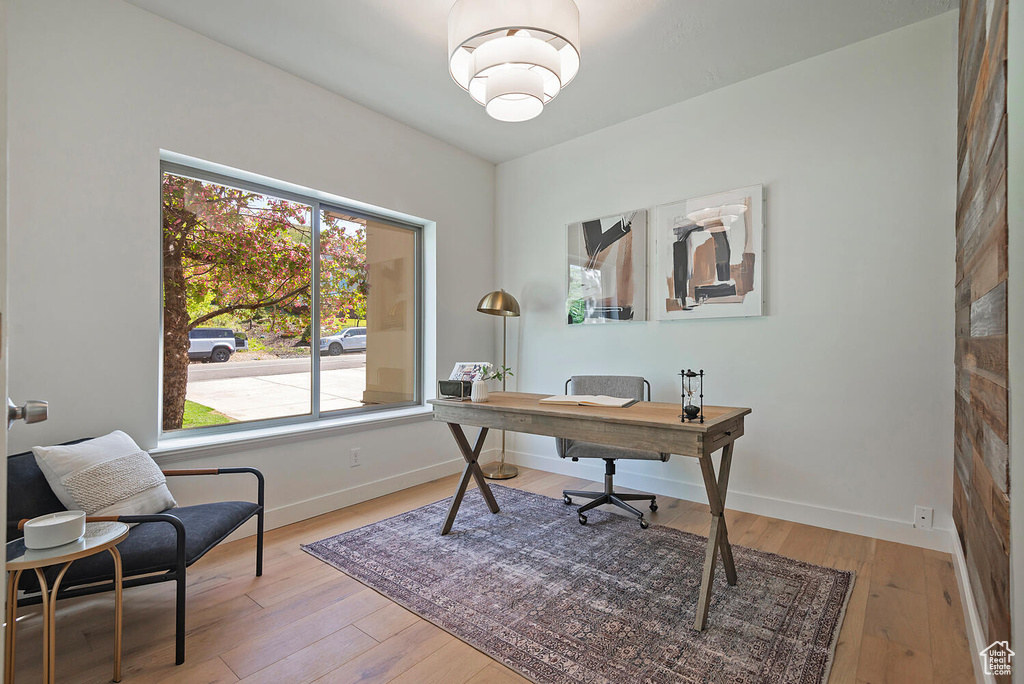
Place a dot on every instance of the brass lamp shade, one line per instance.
(498, 303)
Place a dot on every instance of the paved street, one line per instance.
(198, 372)
(254, 390)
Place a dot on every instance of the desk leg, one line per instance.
(12, 624)
(471, 454)
(725, 546)
(718, 536)
(117, 612)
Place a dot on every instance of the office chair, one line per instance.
(625, 386)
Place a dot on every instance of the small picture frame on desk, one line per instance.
(470, 370)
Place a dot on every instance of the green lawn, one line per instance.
(197, 415)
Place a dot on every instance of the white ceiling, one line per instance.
(637, 55)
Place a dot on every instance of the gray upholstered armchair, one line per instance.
(624, 386)
(159, 547)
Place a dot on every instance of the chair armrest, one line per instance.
(158, 517)
(179, 530)
(130, 519)
(260, 481)
(179, 526)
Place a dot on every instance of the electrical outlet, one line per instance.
(355, 462)
(923, 517)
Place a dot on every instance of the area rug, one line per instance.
(603, 603)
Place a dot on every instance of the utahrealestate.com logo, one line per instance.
(997, 657)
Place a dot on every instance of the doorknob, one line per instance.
(34, 411)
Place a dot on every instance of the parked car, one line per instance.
(215, 344)
(349, 339)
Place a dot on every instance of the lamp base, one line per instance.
(496, 470)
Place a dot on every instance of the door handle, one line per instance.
(34, 411)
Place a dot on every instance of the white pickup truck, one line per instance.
(215, 344)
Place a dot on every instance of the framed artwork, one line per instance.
(606, 278)
(709, 256)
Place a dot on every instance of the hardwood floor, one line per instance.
(304, 621)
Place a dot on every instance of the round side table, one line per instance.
(99, 537)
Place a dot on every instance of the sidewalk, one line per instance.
(278, 396)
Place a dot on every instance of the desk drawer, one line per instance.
(728, 432)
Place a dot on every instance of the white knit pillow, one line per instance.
(108, 475)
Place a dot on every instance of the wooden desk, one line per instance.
(645, 425)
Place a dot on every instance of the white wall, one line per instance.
(850, 374)
(1015, 274)
(97, 88)
(3, 284)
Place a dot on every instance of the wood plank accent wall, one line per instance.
(981, 477)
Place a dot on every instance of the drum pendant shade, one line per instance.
(513, 57)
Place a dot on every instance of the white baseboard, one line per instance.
(975, 630)
(310, 508)
(843, 521)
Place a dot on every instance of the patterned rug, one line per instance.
(602, 603)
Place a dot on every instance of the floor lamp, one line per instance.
(500, 303)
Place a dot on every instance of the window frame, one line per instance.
(318, 202)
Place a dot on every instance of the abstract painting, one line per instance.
(607, 276)
(709, 256)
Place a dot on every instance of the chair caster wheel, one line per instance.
(644, 524)
(654, 506)
(566, 500)
(583, 519)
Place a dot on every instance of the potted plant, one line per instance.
(479, 392)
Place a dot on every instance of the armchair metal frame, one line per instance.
(178, 573)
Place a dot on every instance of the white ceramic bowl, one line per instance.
(54, 529)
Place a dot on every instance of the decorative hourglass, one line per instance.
(690, 411)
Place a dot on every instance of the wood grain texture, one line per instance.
(645, 425)
(323, 632)
(988, 312)
(646, 413)
(981, 477)
(851, 635)
(453, 662)
(950, 648)
(898, 566)
(886, 661)
(898, 616)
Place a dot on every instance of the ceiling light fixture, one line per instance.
(513, 57)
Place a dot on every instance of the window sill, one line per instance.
(173, 449)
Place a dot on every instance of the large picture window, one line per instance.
(282, 307)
